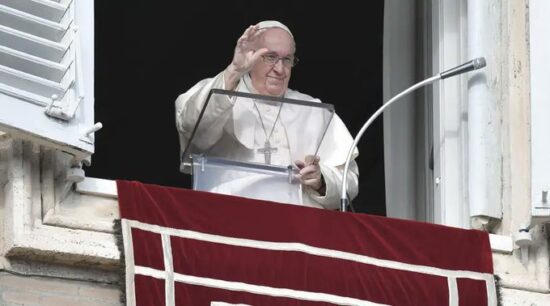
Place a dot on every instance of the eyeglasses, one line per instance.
(273, 59)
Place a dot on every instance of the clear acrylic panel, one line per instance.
(263, 182)
(258, 130)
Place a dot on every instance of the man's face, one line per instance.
(272, 79)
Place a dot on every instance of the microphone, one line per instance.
(474, 64)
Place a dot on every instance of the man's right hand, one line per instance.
(245, 57)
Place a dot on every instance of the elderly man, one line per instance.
(262, 64)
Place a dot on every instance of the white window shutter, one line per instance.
(540, 108)
(47, 72)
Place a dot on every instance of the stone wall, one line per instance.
(19, 290)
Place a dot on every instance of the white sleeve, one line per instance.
(188, 109)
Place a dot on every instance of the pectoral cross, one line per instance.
(267, 150)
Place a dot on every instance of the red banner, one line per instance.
(185, 247)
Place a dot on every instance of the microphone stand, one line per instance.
(469, 66)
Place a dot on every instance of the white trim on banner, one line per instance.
(257, 289)
(166, 233)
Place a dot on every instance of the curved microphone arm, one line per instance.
(344, 201)
(468, 66)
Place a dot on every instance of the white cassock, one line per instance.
(235, 133)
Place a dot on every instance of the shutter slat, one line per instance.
(31, 83)
(46, 9)
(32, 64)
(31, 24)
(24, 95)
(32, 45)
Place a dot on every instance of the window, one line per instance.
(442, 147)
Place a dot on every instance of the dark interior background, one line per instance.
(149, 52)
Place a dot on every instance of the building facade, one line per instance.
(472, 150)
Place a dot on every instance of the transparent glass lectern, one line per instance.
(245, 144)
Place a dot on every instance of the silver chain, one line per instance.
(267, 138)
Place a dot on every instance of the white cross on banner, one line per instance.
(185, 247)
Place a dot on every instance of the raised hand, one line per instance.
(247, 54)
